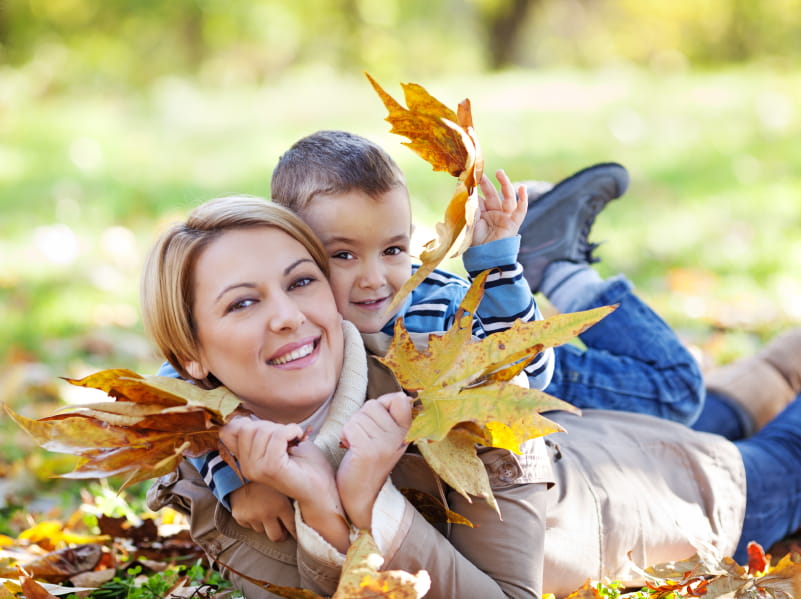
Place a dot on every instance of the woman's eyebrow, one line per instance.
(249, 285)
(295, 264)
(234, 286)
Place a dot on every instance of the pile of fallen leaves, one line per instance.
(121, 560)
(105, 557)
(110, 558)
(711, 577)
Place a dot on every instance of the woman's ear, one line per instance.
(196, 370)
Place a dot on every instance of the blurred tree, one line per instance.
(80, 42)
(503, 21)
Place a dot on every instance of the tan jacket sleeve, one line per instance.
(495, 559)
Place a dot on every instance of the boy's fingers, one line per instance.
(522, 202)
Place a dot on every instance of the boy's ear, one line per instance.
(196, 370)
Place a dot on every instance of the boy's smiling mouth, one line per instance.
(371, 304)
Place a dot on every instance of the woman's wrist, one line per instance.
(324, 513)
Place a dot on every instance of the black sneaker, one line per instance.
(559, 220)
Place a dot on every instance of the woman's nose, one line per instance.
(285, 314)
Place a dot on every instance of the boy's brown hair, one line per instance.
(332, 162)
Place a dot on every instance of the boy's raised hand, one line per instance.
(500, 215)
(263, 509)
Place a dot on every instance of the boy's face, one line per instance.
(367, 241)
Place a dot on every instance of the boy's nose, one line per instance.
(372, 275)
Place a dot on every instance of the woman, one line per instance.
(237, 295)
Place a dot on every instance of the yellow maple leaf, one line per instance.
(459, 380)
(362, 579)
(446, 140)
(153, 423)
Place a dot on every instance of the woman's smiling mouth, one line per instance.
(294, 354)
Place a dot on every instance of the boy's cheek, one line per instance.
(341, 284)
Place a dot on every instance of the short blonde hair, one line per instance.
(167, 286)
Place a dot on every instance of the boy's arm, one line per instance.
(507, 297)
(254, 506)
(217, 475)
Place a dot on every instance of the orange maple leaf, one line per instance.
(446, 140)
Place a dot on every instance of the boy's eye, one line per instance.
(342, 255)
(394, 250)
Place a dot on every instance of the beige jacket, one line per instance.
(622, 482)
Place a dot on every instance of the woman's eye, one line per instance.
(302, 282)
(240, 305)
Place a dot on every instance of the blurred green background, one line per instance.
(117, 117)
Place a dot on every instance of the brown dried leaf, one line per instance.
(144, 434)
(433, 509)
(32, 589)
(60, 565)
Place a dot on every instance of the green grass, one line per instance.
(709, 230)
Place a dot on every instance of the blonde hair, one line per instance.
(167, 286)
(332, 162)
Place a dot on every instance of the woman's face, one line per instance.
(267, 323)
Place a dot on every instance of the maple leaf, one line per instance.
(446, 140)
(462, 381)
(153, 423)
(361, 578)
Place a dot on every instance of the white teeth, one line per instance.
(295, 354)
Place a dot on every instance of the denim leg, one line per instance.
(633, 361)
(723, 416)
(773, 480)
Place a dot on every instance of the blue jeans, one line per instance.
(725, 417)
(772, 460)
(633, 361)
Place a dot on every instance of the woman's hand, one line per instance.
(499, 216)
(263, 509)
(374, 437)
(279, 455)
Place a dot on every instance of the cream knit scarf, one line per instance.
(348, 397)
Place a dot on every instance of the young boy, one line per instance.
(354, 197)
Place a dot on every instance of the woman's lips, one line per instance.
(295, 354)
